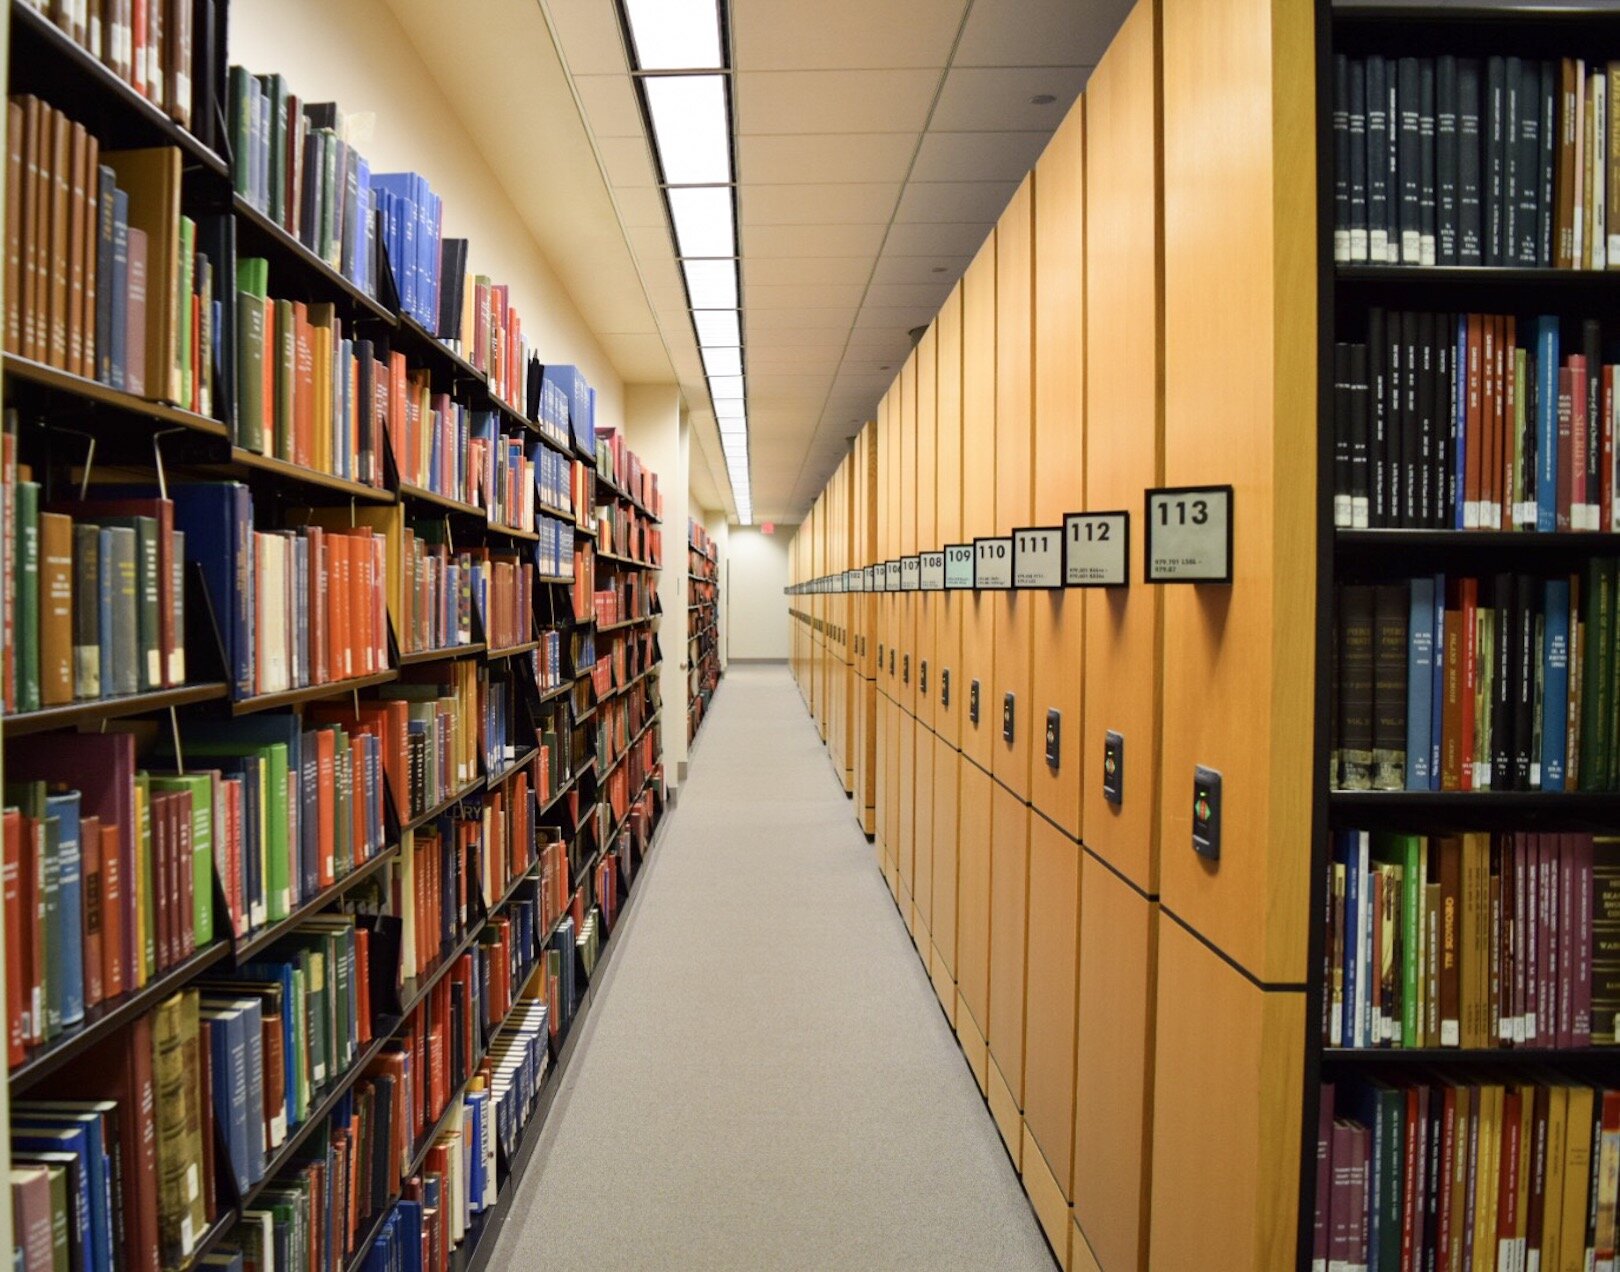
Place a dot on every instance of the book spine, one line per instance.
(1470, 210)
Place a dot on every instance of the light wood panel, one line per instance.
(1009, 935)
(1240, 407)
(1122, 663)
(922, 839)
(979, 465)
(1046, 1199)
(906, 603)
(907, 785)
(927, 539)
(973, 893)
(1058, 618)
(1015, 480)
(1113, 1073)
(894, 791)
(1050, 995)
(882, 840)
(1226, 1114)
(947, 788)
(948, 510)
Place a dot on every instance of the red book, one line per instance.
(1507, 1175)
(1581, 1025)
(1577, 427)
(360, 637)
(304, 386)
(233, 855)
(17, 950)
(90, 848)
(1606, 462)
(186, 865)
(340, 653)
(362, 981)
(1566, 444)
(326, 805)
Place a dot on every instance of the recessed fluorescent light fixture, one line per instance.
(703, 221)
(734, 428)
(711, 284)
(725, 386)
(669, 35)
(717, 327)
(690, 128)
(722, 361)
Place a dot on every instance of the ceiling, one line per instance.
(876, 143)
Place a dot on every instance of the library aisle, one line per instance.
(767, 1080)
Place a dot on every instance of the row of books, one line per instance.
(293, 162)
(431, 436)
(508, 603)
(625, 532)
(1451, 160)
(563, 404)
(104, 277)
(306, 392)
(548, 661)
(1495, 684)
(95, 595)
(623, 467)
(437, 590)
(1474, 421)
(433, 889)
(498, 733)
(505, 477)
(150, 45)
(510, 839)
(1472, 940)
(628, 654)
(1466, 1170)
(554, 554)
(628, 595)
(555, 479)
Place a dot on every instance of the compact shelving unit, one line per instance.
(702, 626)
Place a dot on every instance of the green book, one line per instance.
(145, 884)
(286, 374)
(1597, 596)
(185, 286)
(275, 88)
(275, 848)
(252, 286)
(27, 621)
(150, 654)
(1406, 851)
(302, 1071)
(241, 129)
(200, 786)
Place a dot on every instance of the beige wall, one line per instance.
(754, 571)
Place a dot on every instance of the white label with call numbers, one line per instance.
(910, 574)
(1096, 549)
(1038, 557)
(891, 580)
(933, 571)
(992, 564)
(958, 567)
(1189, 534)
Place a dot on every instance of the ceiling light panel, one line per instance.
(717, 327)
(691, 128)
(711, 284)
(668, 35)
(703, 224)
(717, 362)
(725, 386)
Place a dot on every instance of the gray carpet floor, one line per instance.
(766, 1080)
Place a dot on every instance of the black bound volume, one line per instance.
(1342, 504)
(1492, 182)
(1548, 143)
(1358, 161)
(1409, 146)
(1356, 687)
(1426, 161)
(1511, 175)
(1528, 166)
(1378, 151)
(1445, 159)
(1378, 419)
(1503, 629)
(1341, 157)
(1391, 607)
(1470, 218)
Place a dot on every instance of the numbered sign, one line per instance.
(910, 574)
(866, 578)
(1038, 557)
(1189, 535)
(933, 571)
(992, 564)
(1097, 549)
(891, 582)
(958, 567)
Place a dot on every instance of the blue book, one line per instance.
(1420, 644)
(253, 1060)
(1381, 1108)
(120, 290)
(1547, 425)
(69, 902)
(1554, 684)
(217, 518)
(1344, 854)
(64, 1146)
(1437, 701)
(228, 1060)
(105, 210)
(59, 1127)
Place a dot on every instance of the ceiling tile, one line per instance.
(776, 270)
(838, 320)
(840, 34)
(1039, 32)
(928, 295)
(639, 359)
(936, 240)
(588, 34)
(627, 161)
(986, 99)
(968, 156)
(759, 241)
(611, 109)
(869, 203)
(927, 201)
(759, 299)
(836, 157)
(640, 206)
(834, 101)
(943, 270)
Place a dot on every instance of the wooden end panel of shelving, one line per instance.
(906, 800)
(1113, 1073)
(1122, 333)
(1009, 930)
(1240, 399)
(922, 822)
(1050, 995)
(948, 508)
(1057, 660)
(973, 890)
(1227, 1094)
(947, 789)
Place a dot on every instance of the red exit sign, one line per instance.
(767, 527)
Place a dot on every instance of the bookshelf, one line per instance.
(476, 607)
(1540, 1021)
(702, 626)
